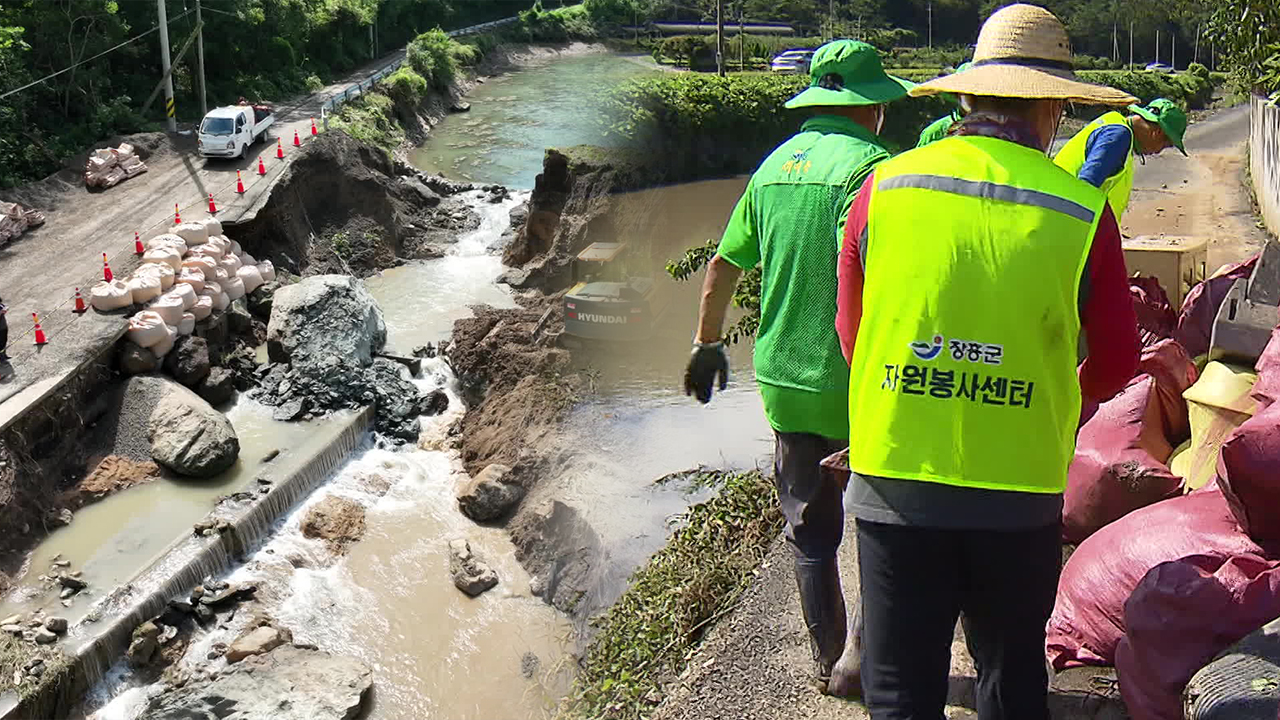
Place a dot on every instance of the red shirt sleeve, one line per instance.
(849, 270)
(1110, 324)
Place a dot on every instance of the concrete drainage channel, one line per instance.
(245, 520)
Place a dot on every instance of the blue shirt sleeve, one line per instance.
(1105, 154)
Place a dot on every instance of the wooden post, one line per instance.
(720, 38)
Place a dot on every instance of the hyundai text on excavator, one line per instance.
(605, 303)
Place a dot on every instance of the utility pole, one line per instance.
(930, 25)
(1130, 45)
(742, 38)
(1157, 58)
(204, 100)
(169, 108)
(1115, 44)
(720, 38)
(1195, 54)
(1173, 50)
(831, 19)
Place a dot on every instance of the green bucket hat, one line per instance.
(959, 69)
(849, 73)
(1168, 116)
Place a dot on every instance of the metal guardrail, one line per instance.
(359, 88)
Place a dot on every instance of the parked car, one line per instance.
(792, 61)
(1160, 68)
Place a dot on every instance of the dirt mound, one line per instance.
(112, 474)
(337, 520)
(344, 207)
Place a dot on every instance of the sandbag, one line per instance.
(218, 298)
(203, 307)
(165, 344)
(250, 276)
(267, 271)
(1200, 307)
(168, 256)
(146, 329)
(143, 287)
(212, 226)
(246, 259)
(168, 240)
(223, 243)
(194, 233)
(163, 271)
(209, 250)
(234, 288)
(220, 275)
(1267, 390)
(204, 263)
(186, 293)
(1121, 450)
(1217, 404)
(188, 323)
(230, 263)
(234, 248)
(1088, 616)
(1180, 616)
(1249, 474)
(1229, 689)
(108, 296)
(168, 307)
(192, 276)
(1156, 319)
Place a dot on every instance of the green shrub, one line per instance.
(406, 86)
(560, 25)
(1190, 91)
(371, 118)
(1090, 62)
(1199, 71)
(313, 83)
(927, 57)
(431, 55)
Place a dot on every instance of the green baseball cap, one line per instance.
(849, 73)
(1168, 116)
(959, 69)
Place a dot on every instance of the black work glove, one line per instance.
(707, 361)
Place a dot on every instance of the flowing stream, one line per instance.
(388, 601)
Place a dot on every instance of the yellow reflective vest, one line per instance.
(1072, 155)
(964, 368)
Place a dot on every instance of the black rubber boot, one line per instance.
(822, 603)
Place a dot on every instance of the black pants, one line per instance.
(812, 501)
(4, 335)
(917, 581)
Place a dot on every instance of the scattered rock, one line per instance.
(66, 593)
(261, 300)
(433, 403)
(256, 642)
(56, 625)
(460, 107)
(12, 620)
(287, 683)
(45, 637)
(337, 520)
(239, 321)
(218, 386)
(135, 359)
(167, 633)
(487, 496)
(61, 563)
(11, 629)
(59, 518)
(115, 473)
(36, 670)
(529, 664)
(269, 457)
(204, 614)
(71, 582)
(291, 410)
(429, 197)
(470, 574)
(143, 647)
(187, 435)
(188, 361)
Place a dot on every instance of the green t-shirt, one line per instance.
(938, 129)
(790, 220)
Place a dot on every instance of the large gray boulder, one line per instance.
(323, 316)
(470, 574)
(488, 496)
(188, 361)
(186, 434)
(288, 683)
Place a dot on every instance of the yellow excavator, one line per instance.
(605, 303)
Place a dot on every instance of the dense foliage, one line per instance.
(259, 49)
(645, 638)
(1249, 32)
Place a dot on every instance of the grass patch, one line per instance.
(371, 118)
(645, 638)
(16, 655)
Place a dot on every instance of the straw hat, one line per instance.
(1023, 52)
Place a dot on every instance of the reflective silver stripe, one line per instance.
(991, 191)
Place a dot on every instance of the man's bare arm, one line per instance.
(717, 290)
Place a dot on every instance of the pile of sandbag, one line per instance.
(16, 219)
(1200, 308)
(1123, 445)
(1156, 318)
(108, 167)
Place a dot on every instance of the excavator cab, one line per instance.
(606, 302)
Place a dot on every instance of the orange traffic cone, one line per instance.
(79, 302)
(280, 148)
(213, 209)
(239, 183)
(313, 126)
(137, 243)
(40, 338)
(262, 169)
(296, 141)
(177, 217)
(106, 269)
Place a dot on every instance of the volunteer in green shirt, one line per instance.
(939, 128)
(789, 221)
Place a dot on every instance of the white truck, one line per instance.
(228, 132)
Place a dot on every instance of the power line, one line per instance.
(135, 38)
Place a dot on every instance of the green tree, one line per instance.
(1248, 32)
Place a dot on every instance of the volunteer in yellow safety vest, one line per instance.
(1102, 153)
(960, 301)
